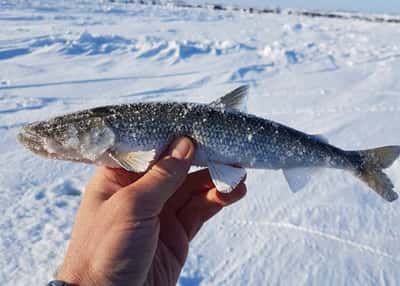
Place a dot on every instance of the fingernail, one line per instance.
(181, 148)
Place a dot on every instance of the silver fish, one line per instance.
(228, 140)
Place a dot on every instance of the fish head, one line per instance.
(78, 137)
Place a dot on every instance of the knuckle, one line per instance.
(167, 173)
(162, 172)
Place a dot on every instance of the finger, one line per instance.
(227, 199)
(197, 182)
(118, 176)
(173, 235)
(163, 179)
(204, 206)
(106, 181)
(166, 176)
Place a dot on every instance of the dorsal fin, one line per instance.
(236, 99)
(320, 138)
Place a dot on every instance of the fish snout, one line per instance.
(32, 139)
(28, 135)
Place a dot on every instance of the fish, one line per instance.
(228, 141)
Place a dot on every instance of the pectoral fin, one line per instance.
(297, 178)
(224, 177)
(138, 161)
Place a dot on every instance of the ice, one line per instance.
(330, 76)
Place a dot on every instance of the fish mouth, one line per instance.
(27, 136)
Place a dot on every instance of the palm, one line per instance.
(180, 219)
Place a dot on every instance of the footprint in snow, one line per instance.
(13, 103)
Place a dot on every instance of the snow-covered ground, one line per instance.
(338, 78)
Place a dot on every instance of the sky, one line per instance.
(368, 6)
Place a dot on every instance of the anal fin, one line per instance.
(225, 177)
(297, 178)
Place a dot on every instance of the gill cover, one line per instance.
(95, 138)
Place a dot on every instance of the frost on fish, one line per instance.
(72, 138)
(71, 142)
(96, 142)
(132, 136)
(51, 146)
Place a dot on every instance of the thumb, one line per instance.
(166, 176)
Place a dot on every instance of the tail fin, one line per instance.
(370, 171)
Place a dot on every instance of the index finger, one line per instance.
(106, 182)
(202, 207)
(195, 183)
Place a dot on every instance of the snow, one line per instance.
(333, 77)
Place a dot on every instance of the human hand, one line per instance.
(135, 230)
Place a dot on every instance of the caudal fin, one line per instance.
(373, 161)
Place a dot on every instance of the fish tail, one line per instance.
(370, 170)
